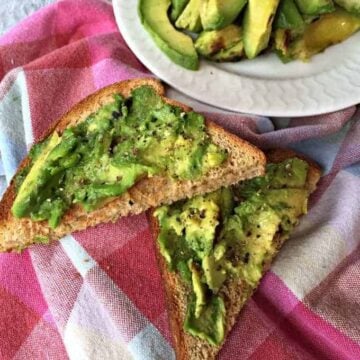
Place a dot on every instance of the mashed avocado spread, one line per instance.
(103, 156)
(229, 234)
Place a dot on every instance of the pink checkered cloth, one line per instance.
(98, 294)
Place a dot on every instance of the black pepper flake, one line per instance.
(115, 114)
(202, 214)
(246, 258)
(131, 203)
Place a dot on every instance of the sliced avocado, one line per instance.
(224, 198)
(177, 7)
(172, 245)
(288, 16)
(233, 54)
(31, 184)
(211, 325)
(93, 195)
(282, 39)
(176, 45)
(221, 45)
(291, 173)
(289, 204)
(261, 223)
(330, 29)
(257, 25)
(352, 6)
(190, 17)
(217, 14)
(213, 157)
(214, 272)
(198, 288)
(315, 7)
(200, 218)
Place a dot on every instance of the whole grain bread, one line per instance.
(234, 292)
(244, 161)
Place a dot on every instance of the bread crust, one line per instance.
(244, 161)
(235, 292)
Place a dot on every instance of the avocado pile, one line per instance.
(231, 30)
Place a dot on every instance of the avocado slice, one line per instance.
(29, 188)
(257, 25)
(177, 7)
(176, 45)
(288, 16)
(200, 218)
(214, 272)
(289, 204)
(291, 173)
(221, 45)
(330, 29)
(198, 288)
(211, 325)
(315, 7)
(352, 6)
(190, 17)
(217, 14)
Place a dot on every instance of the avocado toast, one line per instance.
(214, 249)
(119, 152)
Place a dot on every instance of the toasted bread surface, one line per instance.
(244, 161)
(235, 292)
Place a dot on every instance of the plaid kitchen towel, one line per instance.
(97, 294)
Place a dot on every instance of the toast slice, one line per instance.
(235, 291)
(243, 161)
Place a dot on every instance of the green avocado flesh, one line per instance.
(190, 17)
(257, 25)
(352, 6)
(229, 234)
(288, 16)
(315, 7)
(234, 30)
(221, 45)
(177, 7)
(328, 30)
(105, 155)
(217, 14)
(176, 45)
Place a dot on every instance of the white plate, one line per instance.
(264, 86)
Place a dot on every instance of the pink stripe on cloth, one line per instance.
(277, 324)
(305, 330)
(104, 240)
(17, 276)
(336, 299)
(52, 92)
(141, 263)
(17, 323)
(53, 27)
(44, 342)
